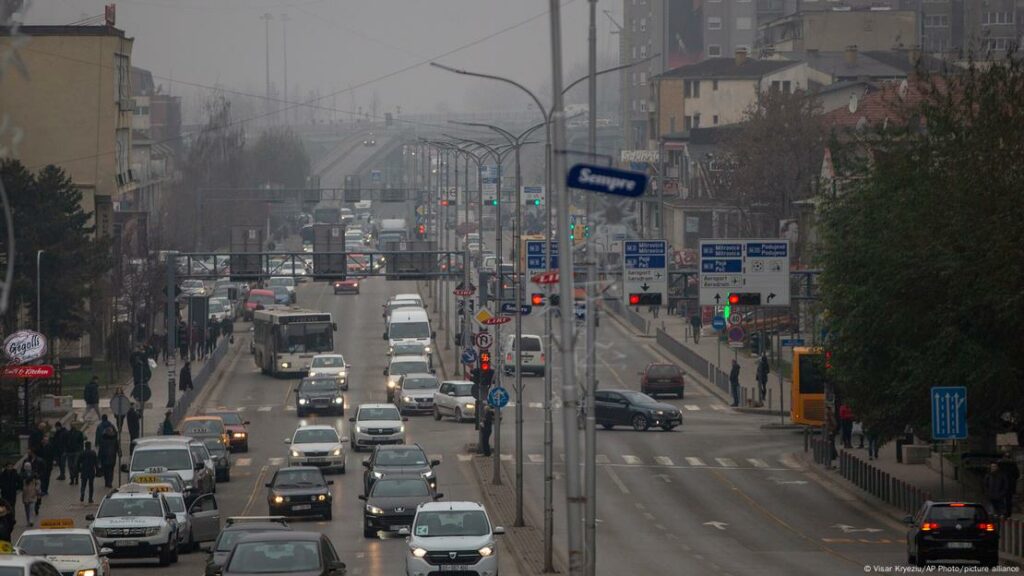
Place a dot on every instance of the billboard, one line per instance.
(685, 32)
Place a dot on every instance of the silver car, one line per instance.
(451, 537)
(455, 398)
(416, 393)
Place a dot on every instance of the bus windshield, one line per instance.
(811, 378)
(312, 337)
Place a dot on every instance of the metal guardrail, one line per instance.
(634, 319)
(199, 380)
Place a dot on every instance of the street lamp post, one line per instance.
(39, 291)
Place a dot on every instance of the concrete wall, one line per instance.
(669, 110)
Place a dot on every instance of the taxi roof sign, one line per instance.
(147, 479)
(57, 523)
(135, 488)
(6, 547)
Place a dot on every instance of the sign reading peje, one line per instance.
(25, 346)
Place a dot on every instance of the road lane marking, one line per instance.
(289, 407)
(660, 527)
(757, 462)
(639, 505)
(726, 462)
(240, 409)
(275, 461)
(722, 407)
(506, 457)
(264, 408)
(537, 458)
(663, 460)
(649, 516)
(464, 457)
(601, 459)
(255, 488)
(439, 457)
(694, 461)
(618, 481)
(692, 407)
(536, 404)
(614, 372)
(630, 459)
(289, 390)
(789, 461)
(243, 461)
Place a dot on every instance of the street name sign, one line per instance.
(510, 308)
(792, 342)
(606, 180)
(755, 269)
(645, 272)
(949, 413)
(535, 250)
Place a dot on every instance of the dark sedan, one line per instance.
(319, 394)
(221, 458)
(391, 504)
(293, 552)
(631, 408)
(300, 491)
(952, 531)
(399, 460)
(235, 529)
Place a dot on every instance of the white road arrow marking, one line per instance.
(716, 524)
(847, 529)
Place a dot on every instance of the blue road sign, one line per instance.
(510, 308)
(792, 342)
(375, 176)
(606, 180)
(469, 356)
(718, 323)
(949, 413)
(535, 255)
(498, 397)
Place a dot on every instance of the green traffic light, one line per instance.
(726, 311)
(536, 202)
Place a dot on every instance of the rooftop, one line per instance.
(728, 68)
(840, 67)
(64, 31)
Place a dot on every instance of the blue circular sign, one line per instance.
(497, 397)
(718, 323)
(469, 356)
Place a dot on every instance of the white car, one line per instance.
(193, 287)
(376, 424)
(136, 524)
(73, 551)
(317, 445)
(24, 565)
(330, 365)
(455, 398)
(220, 308)
(415, 393)
(532, 356)
(287, 281)
(451, 536)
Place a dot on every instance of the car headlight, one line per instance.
(378, 475)
(407, 398)
(358, 429)
(486, 551)
(373, 509)
(428, 474)
(312, 373)
(339, 400)
(392, 383)
(86, 572)
(303, 401)
(470, 406)
(296, 454)
(238, 435)
(337, 451)
(426, 349)
(322, 498)
(278, 499)
(401, 428)
(419, 552)
(152, 531)
(286, 365)
(659, 412)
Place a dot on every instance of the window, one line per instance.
(687, 122)
(634, 52)
(633, 76)
(784, 86)
(672, 124)
(643, 51)
(743, 23)
(714, 119)
(714, 23)
(992, 18)
(643, 105)
(643, 78)
(632, 24)
(714, 85)
(122, 79)
(643, 24)
(936, 21)
(696, 120)
(691, 88)
(998, 44)
(714, 50)
(123, 148)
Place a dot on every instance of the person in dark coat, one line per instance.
(35, 438)
(167, 426)
(695, 325)
(88, 464)
(60, 447)
(1008, 466)
(485, 432)
(734, 382)
(91, 395)
(997, 487)
(185, 377)
(227, 327)
(44, 469)
(10, 485)
(6, 520)
(762, 377)
(101, 428)
(134, 419)
(109, 449)
(73, 450)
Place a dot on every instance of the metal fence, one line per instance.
(636, 320)
(199, 380)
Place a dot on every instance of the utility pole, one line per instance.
(266, 21)
(284, 48)
(590, 434)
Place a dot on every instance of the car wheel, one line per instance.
(607, 426)
(437, 414)
(192, 544)
(227, 475)
(911, 559)
(329, 515)
(991, 560)
(681, 392)
(165, 555)
(640, 422)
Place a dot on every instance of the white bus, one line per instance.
(286, 339)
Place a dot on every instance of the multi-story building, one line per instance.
(156, 136)
(835, 30)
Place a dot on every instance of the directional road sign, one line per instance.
(497, 397)
(792, 342)
(483, 340)
(535, 255)
(755, 270)
(718, 323)
(606, 180)
(510, 308)
(645, 272)
(949, 413)
(736, 334)
(469, 356)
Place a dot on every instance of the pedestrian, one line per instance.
(906, 438)
(1008, 466)
(846, 425)
(119, 391)
(89, 464)
(76, 443)
(185, 377)
(485, 431)
(91, 395)
(858, 431)
(873, 442)
(762, 377)
(227, 326)
(35, 438)
(695, 326)
(734, 382)
(101, 428)
(108, 450)
(672, 304)
(167, 426)
(60, 447)
(997, 488)
(197, 343)
(30, 495)
(10, 485)
(654, 311)
(183, 340)
(6, 520)
(134, 419)
(45, 468)
(137, 361)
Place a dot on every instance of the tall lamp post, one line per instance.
(39, 291)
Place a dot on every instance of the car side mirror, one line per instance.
(908, 520)
(362, 497)
(246, 423)
(336, 566)
(124, 468)
(433, 370)
(106, 552)
(352, 419)
(385, 371)
(403, 531)
(498, 530)
(171, 517)
(199, 465)
(330, 482)
(366, 463)
(438, 496)
(287, 440)
(344, 439)
(433, 335)
(267, 484)
(90, 517)
(385, 337)
(435, 463)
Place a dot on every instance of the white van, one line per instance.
(533, 357)
(409, 325)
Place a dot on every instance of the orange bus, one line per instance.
(807, 400)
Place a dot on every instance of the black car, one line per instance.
(221, 458)
(300, 491)
(391, 504)
(289, 552)
(319, 394)
(398, 460)
(952, 531)
(234, 530)
(631, 408)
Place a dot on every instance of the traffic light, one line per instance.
(536, 202)
(422, 230)
(494, 202)
(555, 300)
(645, 299)
(586, 231)
(828, 360)
(537, 299)
(485, 361)
(745, 298)
(444, 202)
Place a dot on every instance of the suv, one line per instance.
(532, 355)
(319, 394)
(455, 398)
(662, 379)
(136, 524)
(952, 531)
(451, 536)
(401, 460)
(415, 393)
(377, 424)
(186, 456)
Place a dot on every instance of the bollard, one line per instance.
(807, 438)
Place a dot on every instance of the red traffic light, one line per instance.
(634, 299)
(444, 202)
(734, 299)
(645, 299)
(423, 228)
(485, 361)
(537, 299)
(745, 298)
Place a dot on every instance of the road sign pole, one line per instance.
(517, 262)
(549, 510)
(590, 429)
(172, 333)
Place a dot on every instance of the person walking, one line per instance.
(846, 425)
(185, 377)
(227, 327)
(60, 447)
(45, 470)
(75, 444)
(182, 341)
(10, 485)
(6, 520)
(997, 488)
(734, 383)
(101, 428)
(485, 431)
(30, 498)
(167, 426)
(108, 451)
(91, 395)
(873, 441)
(35, 438)
(695, 326)
(89, 463)
(762, 378)
(134, 419)
(1008, 466)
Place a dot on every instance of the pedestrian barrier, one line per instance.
(1011, 537)
(636, 320)
(881, 484)
(199, 380)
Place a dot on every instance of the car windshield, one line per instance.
(280, 290)
(116, 507)
(386, 488)
(260, 298)
(637, 397)
(328, 362)
(309, 384)
(170, 458)
(400, 457)
(663, 371)
(451, 523)
(281, 282)
(293, 478)
(57, 545)
(392, 306)
(176, 504)
(277, 557)
(462, 389)
(315, 436)
(202, 428)
(192, 284)
(309, 337)
(378, 414)
(409, 330)
(408, 367)
(218, 304)
(228, 538)
(529, 344)
(231, 418)
(945, 513)
(215, 446)
(419, 383)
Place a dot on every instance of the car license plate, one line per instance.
(316, 460)
(454, 568)
(959, 545)
(397, 527)
(126, 543)
(301, 507)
